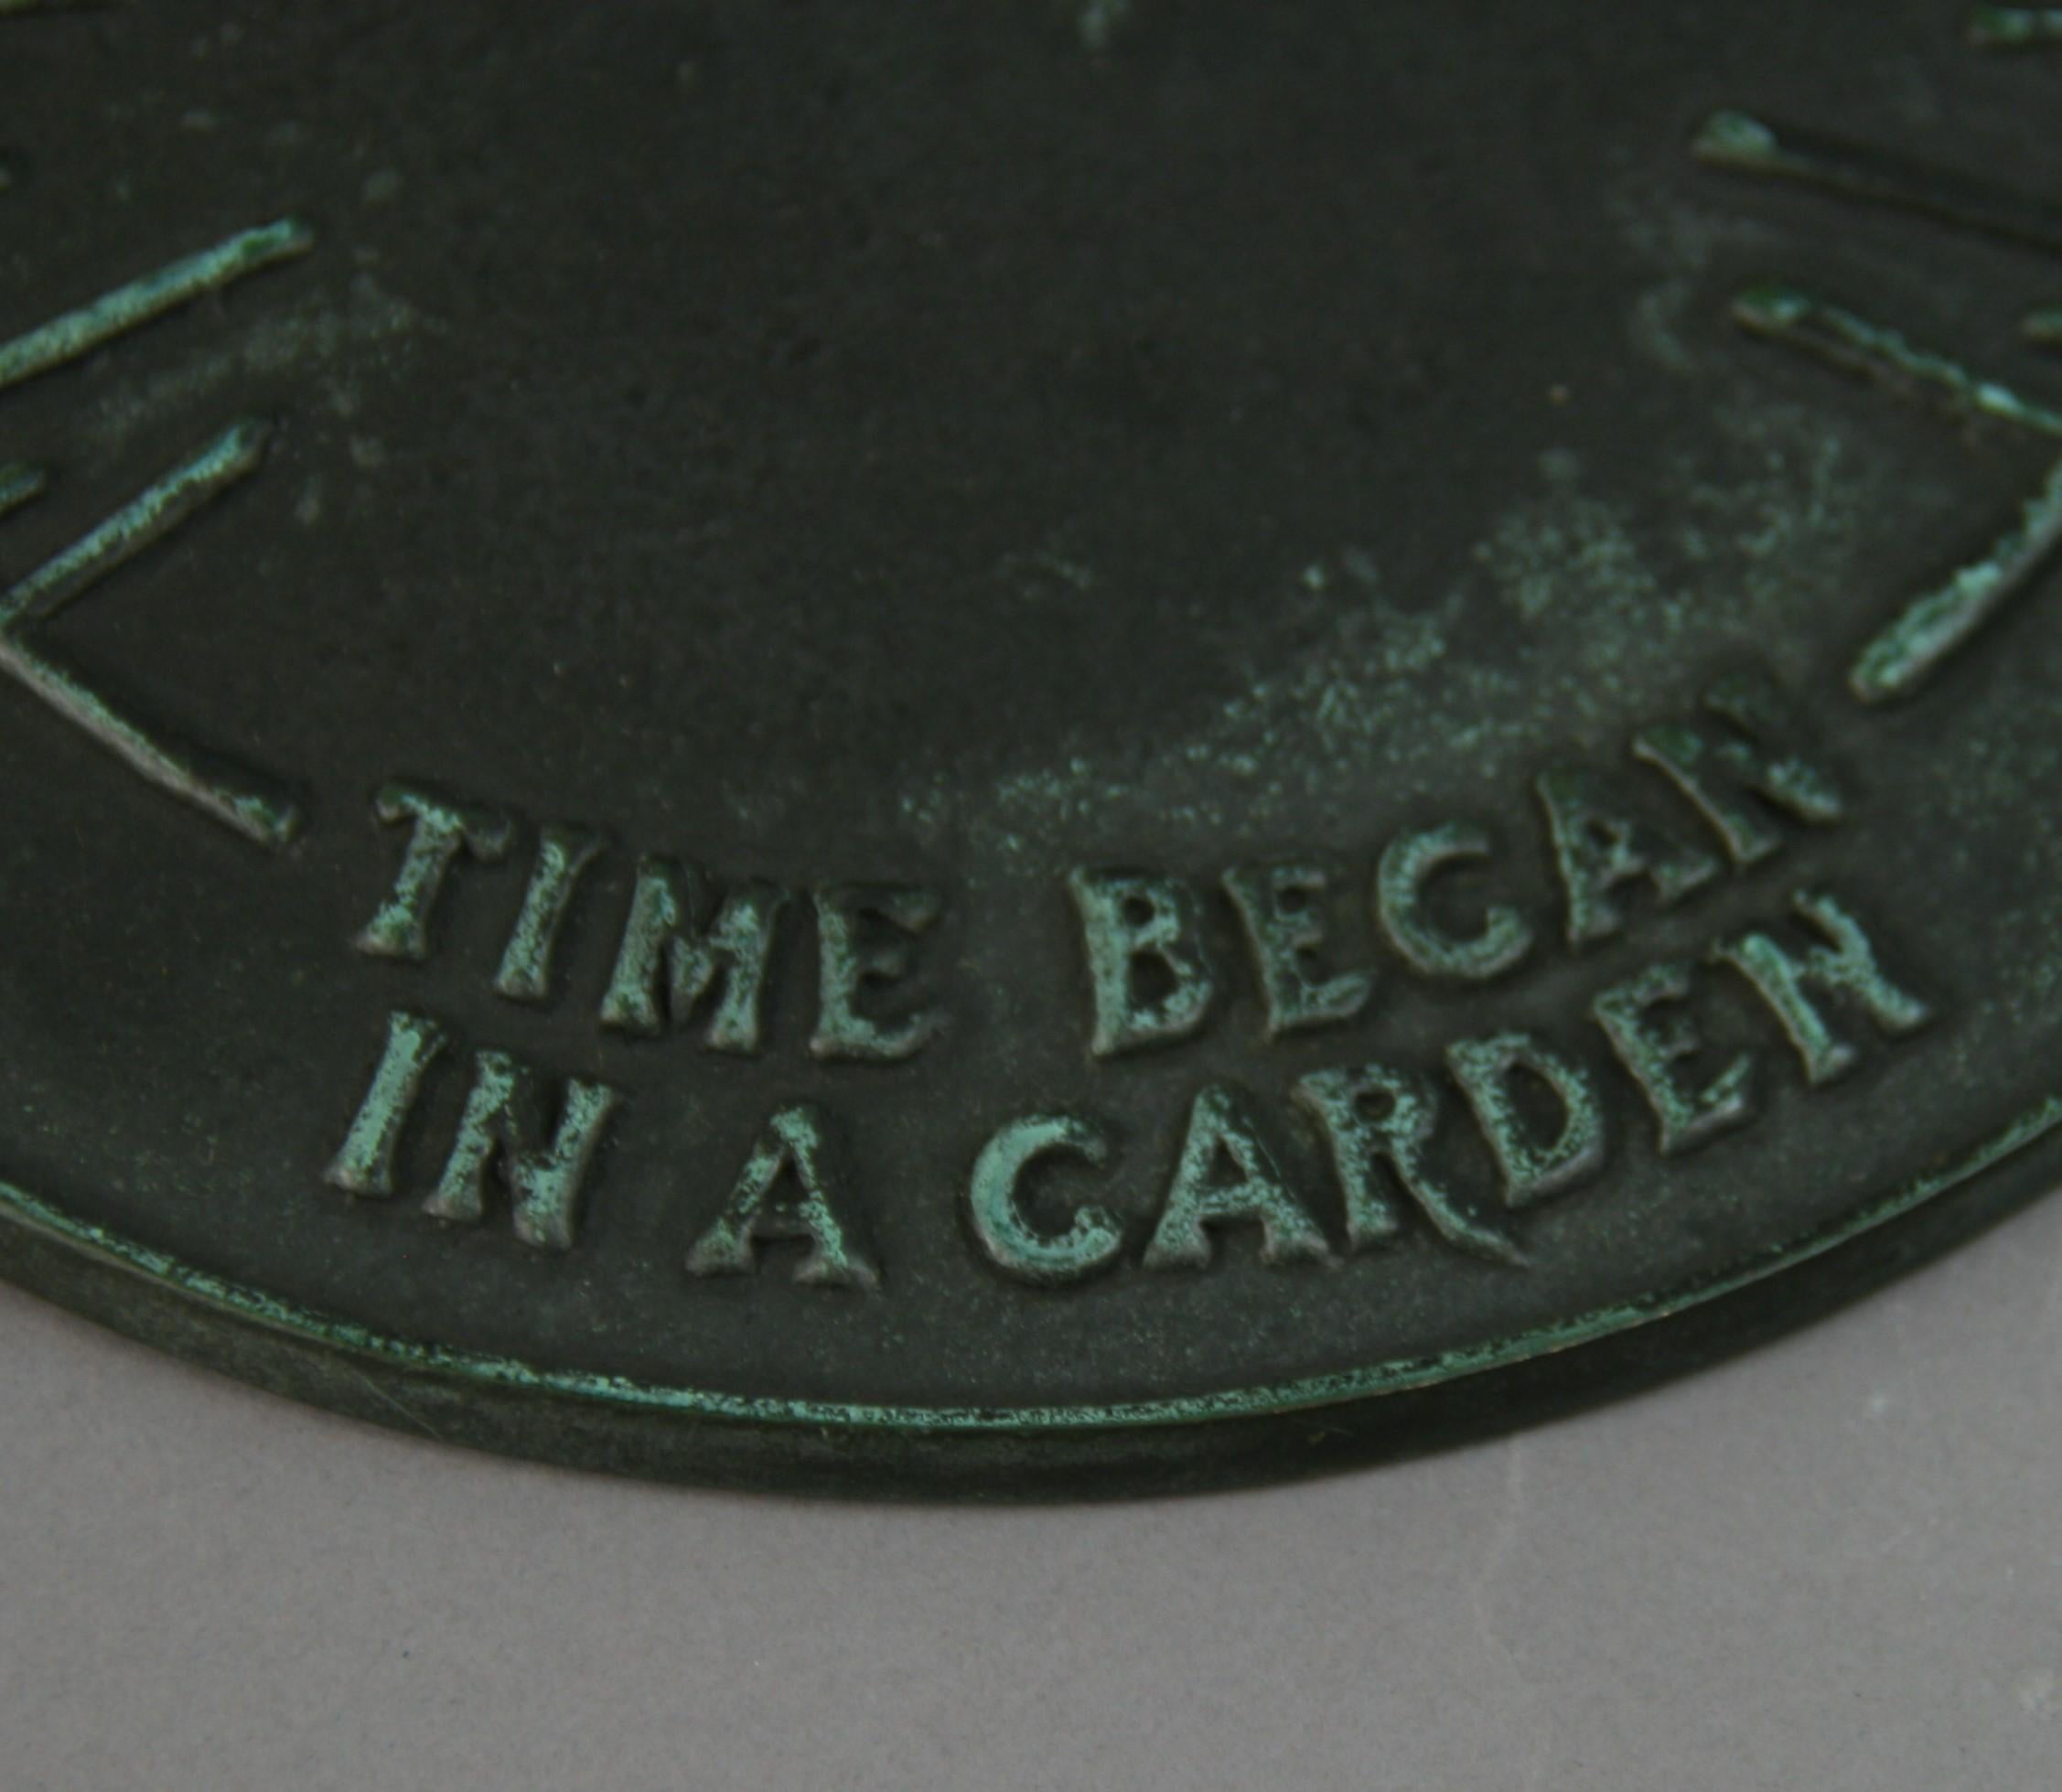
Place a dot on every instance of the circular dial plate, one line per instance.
(1041, 748)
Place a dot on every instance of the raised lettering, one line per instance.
(1651, 1051)
(1093, 1238)
(564, 855)
(1407, 868)
(442, 829)
(365, 1163)
(1719, 776)
(1221, 1129)
(1600, 843)
(500, 1128)
(1845, 966)
(1376, 1114)
(797, 1143)
(1533, 1168)
(669, 959)
(1282, 908)
(848, 961)
(1131, 922)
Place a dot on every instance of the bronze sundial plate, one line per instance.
(1012, 748)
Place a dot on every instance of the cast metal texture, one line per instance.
(1012, 748)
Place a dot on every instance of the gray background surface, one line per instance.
(1835, 1563)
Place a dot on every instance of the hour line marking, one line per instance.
(2044, 328)
(1901, 658)
(125, 308)
(19, 484)
(2015, 28)
(1906, 653)
(1786, 315)
(150, 517)
(1745, 144)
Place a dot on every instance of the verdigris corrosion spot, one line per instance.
(1057, 816)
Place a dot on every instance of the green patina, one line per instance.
(1719, 776)
(364, 1165)
(1224, 1129)
(1742, 144)
(797, 1146)
(2014, 28)
(1533, 1168)
(349, 343)
(1735, 140)
(1408, 863)
(235, 1300)
(1606, 601)
(76, 333)
(1900, 658)
(564, 855)
(19, 485)
(1127, 917)
(1092, 1239)
(1279, 906)
(1786, 315)
(1375, 1115)
(1099, 21)
(849, 963)
(1652, 1048)
(1845, 965)
(1602, 842)
(680, 945)
(147, 517)
(439, 831)
(1612, 602)
(266, 818)
(545, 1177)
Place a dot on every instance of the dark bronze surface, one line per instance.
(1015, 748)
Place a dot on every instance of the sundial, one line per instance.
(1020, 748)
